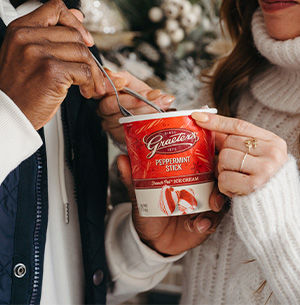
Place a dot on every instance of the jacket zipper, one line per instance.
(37, 229)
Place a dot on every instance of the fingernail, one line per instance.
(90, 38)
(78, 14)
(168, 99)
(153, 94)
(119, 83)
(200, 116)
(219, 202)
(109, 70)
(203, 225)
(188, 226)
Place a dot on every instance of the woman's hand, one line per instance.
(248, 155)
(109, 109)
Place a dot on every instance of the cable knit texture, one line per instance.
(253, 257)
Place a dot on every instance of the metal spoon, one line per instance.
(123, 110)
(127, 90)
(142, 98)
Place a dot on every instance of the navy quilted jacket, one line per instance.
(24, 207)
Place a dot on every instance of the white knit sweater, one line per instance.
(254, 256)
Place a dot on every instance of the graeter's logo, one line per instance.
(170, 141)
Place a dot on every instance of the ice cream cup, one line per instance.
(172, 161)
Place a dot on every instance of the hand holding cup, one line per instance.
(248, 155)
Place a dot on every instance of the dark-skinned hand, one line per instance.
(173, 234)
(42, 55)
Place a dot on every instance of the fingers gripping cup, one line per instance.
(172, 161)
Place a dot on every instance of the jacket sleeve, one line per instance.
(133, 266)
(267, 221)
(18, 138)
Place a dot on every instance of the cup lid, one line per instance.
(170, 114)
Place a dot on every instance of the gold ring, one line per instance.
(246, 154)
(251, 143)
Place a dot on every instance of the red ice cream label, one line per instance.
(170, 151)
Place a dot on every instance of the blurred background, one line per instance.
(166, 43)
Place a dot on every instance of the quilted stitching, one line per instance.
(8, 210)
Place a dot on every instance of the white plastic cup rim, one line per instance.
(171, 114)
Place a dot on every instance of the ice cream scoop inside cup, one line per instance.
(172, 161)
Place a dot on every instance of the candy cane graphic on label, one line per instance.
(187, 201)
(168, 200)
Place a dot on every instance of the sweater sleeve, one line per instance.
(267, 221)
(18, 138)
(133, 266)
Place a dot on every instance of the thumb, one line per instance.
(125, 176)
